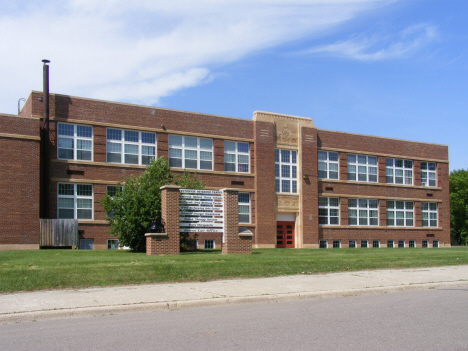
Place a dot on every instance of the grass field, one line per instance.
(55, 269)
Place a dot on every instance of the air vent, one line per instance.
(328, 188)
(430, 195)
(72, 171)
(234, 182)
(430, 235)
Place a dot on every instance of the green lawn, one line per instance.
(53, 269)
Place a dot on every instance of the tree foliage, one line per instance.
(139, 202)
(459, 206)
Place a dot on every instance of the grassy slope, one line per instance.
(50, 269)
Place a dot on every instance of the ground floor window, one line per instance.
(323, 244)
(336, 244)
(112, 244)
(390, 244)
(75, 201)
(411, 243)
(376, 244)
(424, 243)
(364, 243)
(86, 244)
(435, 243)
(352, 244)
(401, 243)
(209, 244)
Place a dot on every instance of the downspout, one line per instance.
(45, 142)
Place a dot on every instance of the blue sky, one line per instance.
(389, 68)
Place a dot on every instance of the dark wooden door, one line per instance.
(285, 234)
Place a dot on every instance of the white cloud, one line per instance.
(138, 51)
(377, 47)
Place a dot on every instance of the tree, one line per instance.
(139, 202)
(459, 206)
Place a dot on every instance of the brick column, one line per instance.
(233, 242)
(167, 243)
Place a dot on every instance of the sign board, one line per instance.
(201, 211)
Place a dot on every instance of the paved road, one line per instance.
(433, 319)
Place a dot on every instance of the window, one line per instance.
(435, 243)
(112, 190)
(362, 168)
(425, 243)
(327, 165)
(398, 171)
(411, 243)
(352, 244)
(336, 244)
(190, 152)
(428, 174)
(323, 244)
(285, 171)
(130, 147)
(429, 214)
(329, 210)
(363, 212)
(390, 244)
(112, 244)
(400, 213)
(244, 207)
(86, 244)
(375, 244)
(75, 201)
(236, 157)
(364, 244)
(209, 244)
(401, 243)
(74, 142)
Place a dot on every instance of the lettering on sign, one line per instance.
(201, 211)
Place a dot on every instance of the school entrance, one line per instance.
(285, 234)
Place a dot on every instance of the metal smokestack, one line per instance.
(45, 141)
(45, 91)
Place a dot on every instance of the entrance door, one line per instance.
(285, 234)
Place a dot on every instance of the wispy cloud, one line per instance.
(139, 51)
(378, 47)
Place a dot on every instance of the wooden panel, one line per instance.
(59, 232)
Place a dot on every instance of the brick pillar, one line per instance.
(167, 243)
(233, 242)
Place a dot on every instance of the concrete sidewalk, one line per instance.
(66, 303)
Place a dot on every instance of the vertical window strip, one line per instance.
(190, 152)
(74, 142)
(398, 171)
(327, 165)
(400, 214)
(244, 207)
(130, 147)
(329, 211)
(429, 214)
(428, 174)
(75, 201)
(285, 171)
(363, 212)
(362, 168)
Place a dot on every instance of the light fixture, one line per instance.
(305, 176)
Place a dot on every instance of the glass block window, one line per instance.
(362, 168)
(75, 201)
(327, 165)
(130, 147)
(429, 214)
(398, 171)
(363, 212)
(285, 171)
(435, 243)
(244, 207)
(428, 174)
(74, 142)
(375, 244)
(411, 243)
(400, 213)
(329, 210)
(209, 244)
(323, 244)
(352, 244)
(364, 244)
(336, 244)
(190, 152)
(401, 243)
(236, 157)
(390, 244)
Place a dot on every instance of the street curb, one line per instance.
(176, 305)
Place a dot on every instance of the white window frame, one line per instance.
(399, 242)
(364, 168)
(337, 244)
(327, 165)
(75, 139)
(435, 243)
(366, 245)
(281, 166)
(243, 204)
(327, 208)
(412, 244)
(428, 169)
(352, 244)
(113, 240)
(183, 149)
(376, 244)
(430, 211)
(392, 244)
(75, 197)
(363, 212)
(239, 167)
(394, 171)
(209, 242)
(425, 244)
(401, 213)
(323, 244)
(140, 145)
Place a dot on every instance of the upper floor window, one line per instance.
(428, 174)
(327, 165)
(190, 152)
(244, 207)
(285, 171)
(236, 156)
(74, 142)
(362, 168)
(130, 147)
(429, 214)
(363, 212)
(329, 210)
(398, 171)
(400, 213)
(75, 201)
